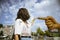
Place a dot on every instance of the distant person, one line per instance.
(22, 26)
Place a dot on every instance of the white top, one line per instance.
(21, 28)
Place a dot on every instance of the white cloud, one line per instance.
(44, 8)
(40, 9)
(41, 24)
(41, 5)
(6, 17)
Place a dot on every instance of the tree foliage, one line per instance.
(40, 32)
(1, 25)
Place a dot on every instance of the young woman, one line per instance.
(22, 26)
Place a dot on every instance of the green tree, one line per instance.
(51, 34)
(33, 33)
(1, 25)
(47, 33)
(40, 32)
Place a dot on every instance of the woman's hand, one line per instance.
(33, 21)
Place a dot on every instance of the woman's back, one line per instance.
(22, 28)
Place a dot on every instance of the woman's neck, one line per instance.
(25, 22)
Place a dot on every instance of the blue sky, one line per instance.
(36, 8)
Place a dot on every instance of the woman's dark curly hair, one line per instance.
(23, 14)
